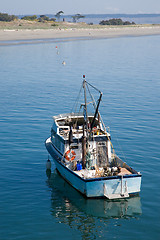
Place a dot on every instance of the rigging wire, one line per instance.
(119, 145)
(93, 87)
(93, 100)
(94, 104)
(99, 115)
(75, 105)
(77, 100)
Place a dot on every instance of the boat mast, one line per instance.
(85, 127)
(85, 107)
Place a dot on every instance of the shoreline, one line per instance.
(22, 36)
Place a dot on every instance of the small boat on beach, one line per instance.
(81, 148)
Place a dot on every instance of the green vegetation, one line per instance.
(7, 18)
(115, 21)
(54, 25)
(29, 18)
(77, 16)
(44, 18)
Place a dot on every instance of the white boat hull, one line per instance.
(111, 187)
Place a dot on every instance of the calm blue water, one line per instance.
(34, 86)
(96, 18)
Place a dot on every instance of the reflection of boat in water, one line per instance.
(66, 201)
(83, 153)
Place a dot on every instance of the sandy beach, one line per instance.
(74, 33)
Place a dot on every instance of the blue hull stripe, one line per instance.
(52, 152)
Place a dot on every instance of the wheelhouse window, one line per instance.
(56, 140)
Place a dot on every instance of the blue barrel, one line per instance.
(79, 166)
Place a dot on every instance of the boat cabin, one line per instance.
(67, 135)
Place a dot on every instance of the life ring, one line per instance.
(70, 155)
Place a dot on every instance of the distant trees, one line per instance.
(77, 17)
(7, 18)
(52, 19)
(58, 15)
(29, 18)
(44, 18)
(115, 21)
(128, 23)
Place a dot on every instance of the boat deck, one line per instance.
(85, 173)
(124, 171)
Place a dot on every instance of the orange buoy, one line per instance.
(70, 155)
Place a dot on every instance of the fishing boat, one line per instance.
(83, 153)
